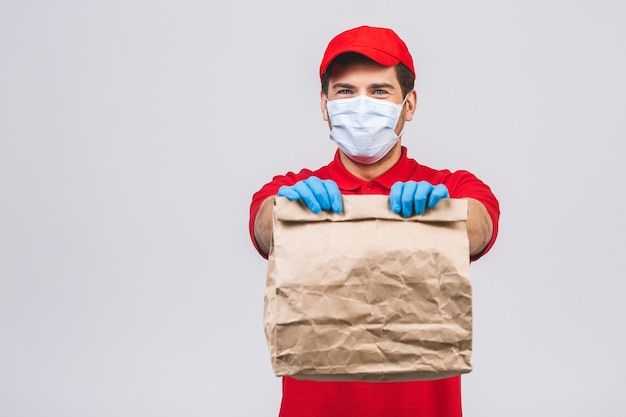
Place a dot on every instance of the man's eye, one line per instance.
(344, 92)
(380, 92)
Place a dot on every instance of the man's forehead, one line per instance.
(363, 73)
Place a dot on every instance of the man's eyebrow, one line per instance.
(381, 85)
(374, 86)
(343, 85)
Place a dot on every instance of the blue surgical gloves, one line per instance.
(405, 198)
(317, 194)
(411, 197)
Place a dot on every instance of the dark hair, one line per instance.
(403, 73)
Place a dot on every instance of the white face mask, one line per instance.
(364, 127)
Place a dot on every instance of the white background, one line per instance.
(133, 134)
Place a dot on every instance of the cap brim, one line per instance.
(376, 55)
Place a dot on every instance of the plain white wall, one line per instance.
(133, 134)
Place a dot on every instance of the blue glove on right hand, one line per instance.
(407, 198)
(317, 194)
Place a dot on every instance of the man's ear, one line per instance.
(410, 105)
(323, 106)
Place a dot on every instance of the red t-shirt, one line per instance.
(438, 398)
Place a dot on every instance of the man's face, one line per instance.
(370, 79)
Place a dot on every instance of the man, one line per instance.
(367, 96)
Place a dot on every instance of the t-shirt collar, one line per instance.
(346, 181)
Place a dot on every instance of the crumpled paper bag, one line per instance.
(367, 295)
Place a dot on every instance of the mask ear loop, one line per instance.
(399, 114)
(327, 112)
(403, 101)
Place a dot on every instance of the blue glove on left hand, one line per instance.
(411, 197)
(317, 194)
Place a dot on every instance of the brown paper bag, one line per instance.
(367, 294)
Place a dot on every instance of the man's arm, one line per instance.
(479, 226)
(413, 197)
(263, 225)
(316, 194)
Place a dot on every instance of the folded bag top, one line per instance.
(363, 207)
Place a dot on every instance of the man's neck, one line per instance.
(369, 172)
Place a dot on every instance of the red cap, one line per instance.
(379, 44)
